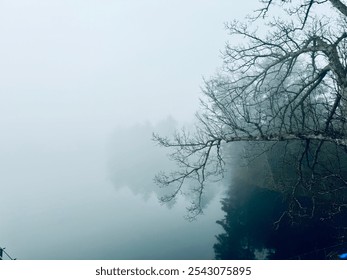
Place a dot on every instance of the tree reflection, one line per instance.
(251, 230)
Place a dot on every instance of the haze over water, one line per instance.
(82, 86)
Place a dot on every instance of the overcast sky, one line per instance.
(72, 72)
(108, 60)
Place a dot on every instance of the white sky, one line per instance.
(108, 60)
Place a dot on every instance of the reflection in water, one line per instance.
(134, 161)
(286, 201)
(251, 231)
(57, 202)
(134, 158)
(70, 210)
(254, 225)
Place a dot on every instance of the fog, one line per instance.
(59, 202)
(82, 86)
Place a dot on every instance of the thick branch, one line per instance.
(340, 6)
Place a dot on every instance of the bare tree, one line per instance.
(284, 86)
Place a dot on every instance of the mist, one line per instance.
(83, 86)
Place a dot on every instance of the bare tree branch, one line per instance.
(288, 85)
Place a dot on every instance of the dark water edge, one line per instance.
(256, 227)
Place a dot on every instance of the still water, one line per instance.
(81, 191)
(85, 191)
